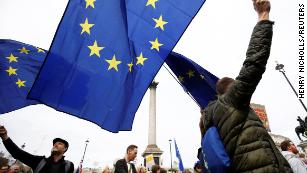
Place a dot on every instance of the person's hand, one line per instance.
(263, 8)
(3, 133)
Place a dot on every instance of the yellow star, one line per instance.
(40, 50)
(113, 63)
(95, 49)
(12, 58)
(202, 76)
(141, 59)
(160, 23)
(24, 50)
(90, 3)
(130, 66)
(21, 83)
(11, 71)
(190, 73)
(181, 78)
(155, 44)
(86, 26)
(152, 3)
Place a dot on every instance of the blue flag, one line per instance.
(181, 168)
(214, 152)
(105, 55)
(195, 80)
(19, 65)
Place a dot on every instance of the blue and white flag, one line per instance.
(181, 168)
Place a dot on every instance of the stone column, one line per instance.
(152, 114)
(152, 147)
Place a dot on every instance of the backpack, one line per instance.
(214, 152)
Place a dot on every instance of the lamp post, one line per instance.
(280, 68)
(86, 142)
(170, 149)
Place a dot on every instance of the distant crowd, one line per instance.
(124, 165)
(297, 161)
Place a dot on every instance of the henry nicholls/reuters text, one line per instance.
(301, 56)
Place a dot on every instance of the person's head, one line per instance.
(59, 147)
(14, 169)
(198, 167)
(187, 171)
(155, 169)
(106, 170)
(287, 145)
(162, 170)
(141, 169)
(131, 152)
(223, 85)
(4, 169)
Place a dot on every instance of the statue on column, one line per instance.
(302, 128)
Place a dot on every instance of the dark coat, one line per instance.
(247, 142)
(33, 161)
(121, 167)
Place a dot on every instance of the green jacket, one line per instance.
(247, 142)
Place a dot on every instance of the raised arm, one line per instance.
(258, 52)
(18, 153)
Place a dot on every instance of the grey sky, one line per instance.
(216, 39)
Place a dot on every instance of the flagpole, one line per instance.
(170, 149)
(280, 68)
(86, 142)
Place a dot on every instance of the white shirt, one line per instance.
(297, 165)
(129, 167)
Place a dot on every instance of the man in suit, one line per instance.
(124, 165)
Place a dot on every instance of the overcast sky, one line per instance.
(217, 39)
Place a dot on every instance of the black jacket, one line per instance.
(247, 142)
(121, 167)
(33, 161)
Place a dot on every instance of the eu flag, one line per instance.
(105, 55)
(181, 168)
(195, 80)
(19, 65)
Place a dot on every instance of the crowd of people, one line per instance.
(297, 161)
(246, 141)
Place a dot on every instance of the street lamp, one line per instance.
(280, 68)
(86, 142)
(170, 149)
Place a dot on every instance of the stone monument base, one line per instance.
(155, 151)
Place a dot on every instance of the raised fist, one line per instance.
(262, 6)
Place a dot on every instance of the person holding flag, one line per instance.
(40, 164)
